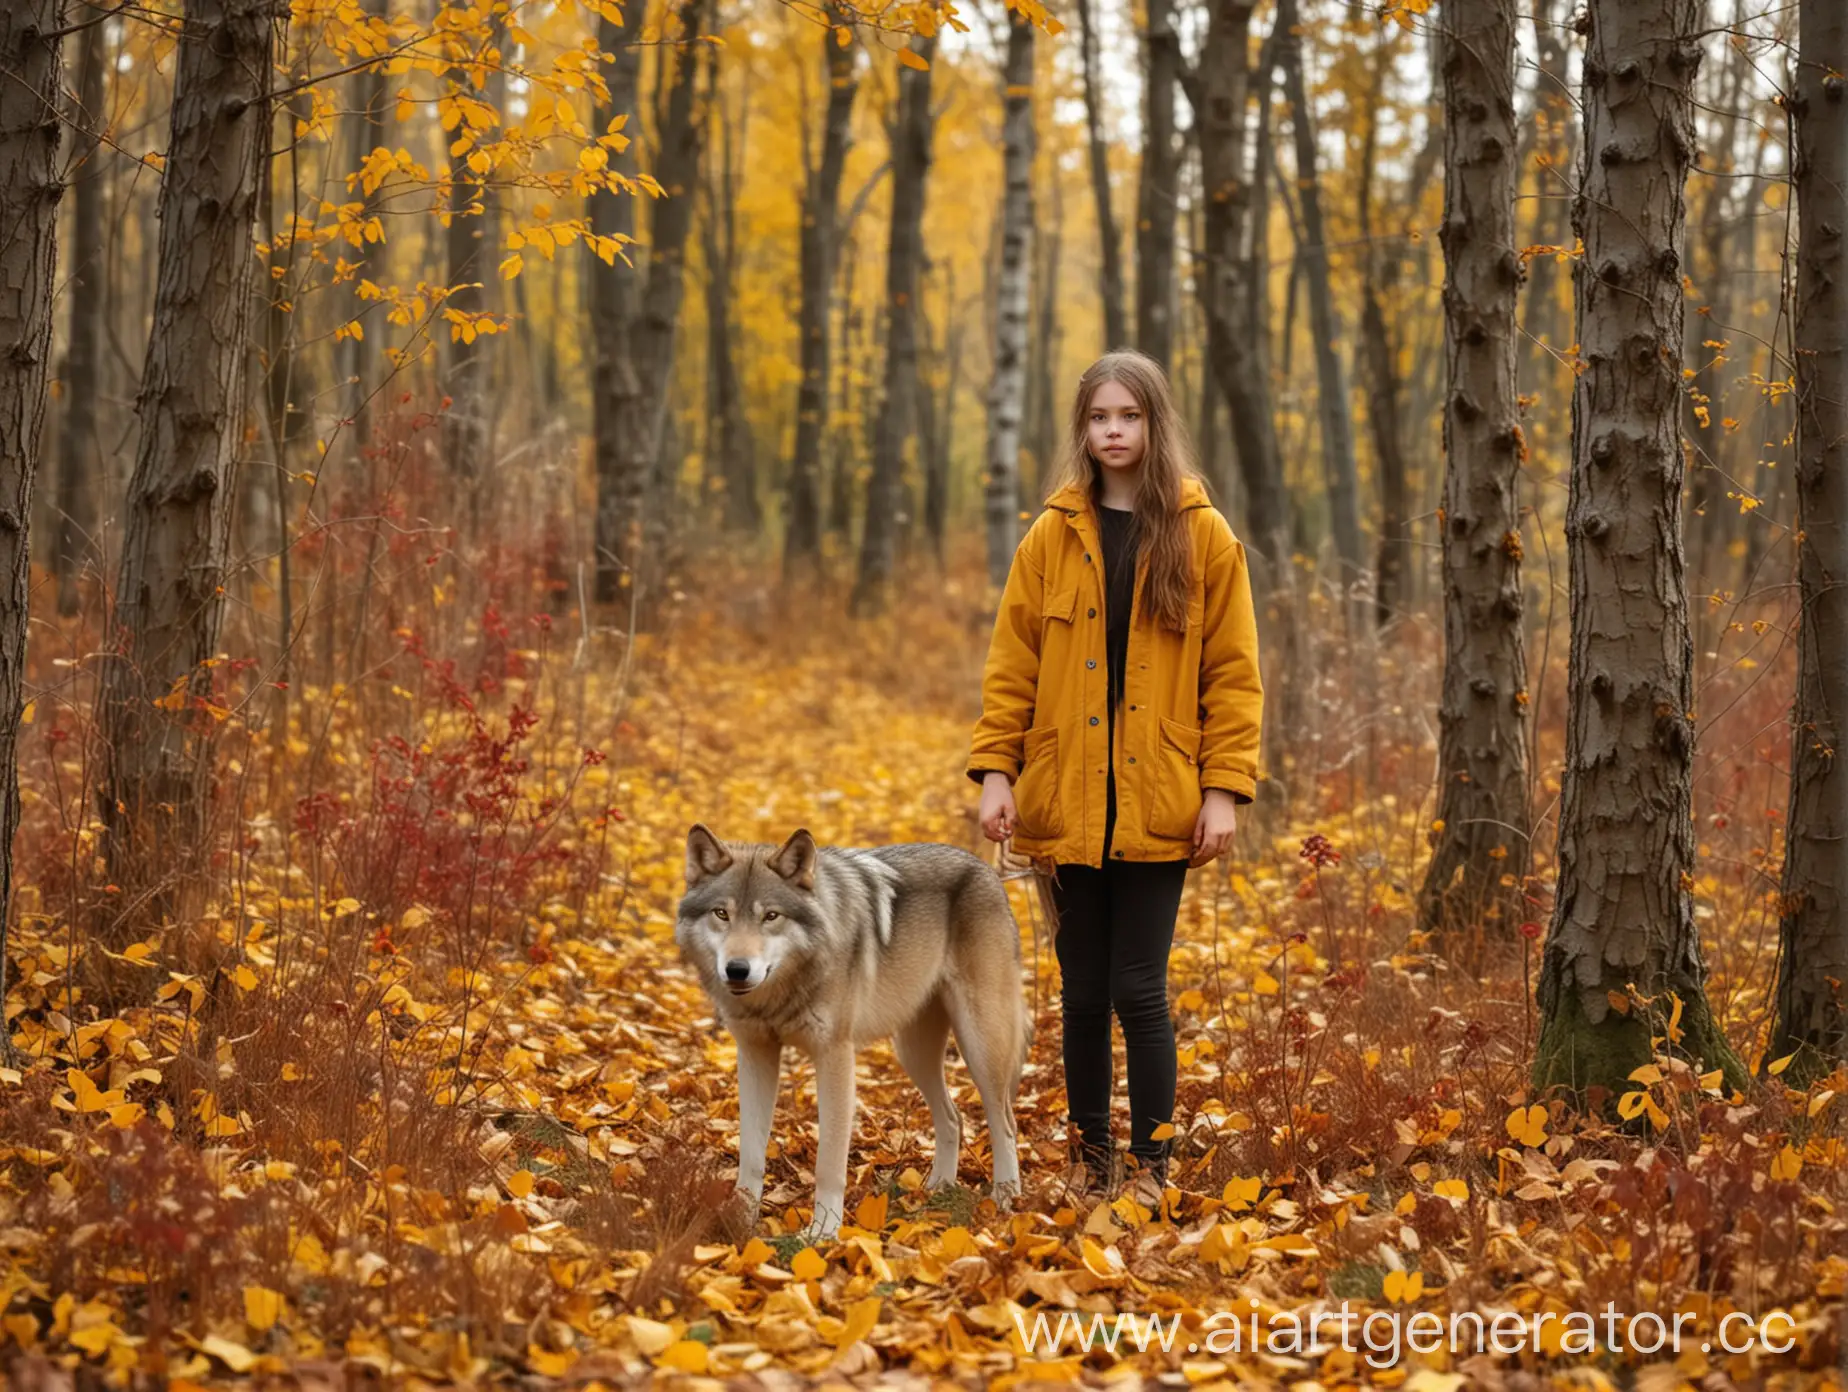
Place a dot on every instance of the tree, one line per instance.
(1481, 842)
(1007, 396)
(728, 432)
(1337, 424)
(1158, 190)
(635, 316)
(1109, 242)
(1233, 288)
(472, 238)
(911, 140)
(1812, 984)
(157, 703)
(820, 238)
(29, 193)
(81, 467)
(1622, 960)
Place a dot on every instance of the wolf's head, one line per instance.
(748, 910)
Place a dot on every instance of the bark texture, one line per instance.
(1158, 191)
(1482, 741)
(157, 701)
(1813, 929)
(471, 241)
(1007, 398)
(29, 193)
(911, 138)
(81, 468)
(1109, 241)
(820, 238)
(1623, 917)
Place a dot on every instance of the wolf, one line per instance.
(828, 949)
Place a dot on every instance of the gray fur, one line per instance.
(834, 948)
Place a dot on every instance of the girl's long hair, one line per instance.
(1167, 459)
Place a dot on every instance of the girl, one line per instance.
(1119, 731)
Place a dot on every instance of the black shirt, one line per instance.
(1122, 542)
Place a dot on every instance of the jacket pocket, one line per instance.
(1062, 606)
(1175, 806)
(1036, 791)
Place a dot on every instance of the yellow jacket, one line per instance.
(1191, 704)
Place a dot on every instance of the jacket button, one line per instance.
(1090, 613)
(1132, 707)
(1132, 758)
(1090, 662)
(1119, 855)
(1087, 558)
(1093, 720)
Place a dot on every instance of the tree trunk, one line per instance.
(81, 466)
(159, 709)
(29, 193)
(366, 131)
(1714, 456)
(1481, 841)
(1158, 191)
(471, 242)
(1109, 243)
(1382, 356)
(615, 292)
(1553, 139)
(1332, 399)
(1234, 276)
(657, 323)
(911, 138)
(1812, 985)
(1007, 395)
(1623, 917)
(1043, 417)
(728, 432)
(820, 213)
(635, 320)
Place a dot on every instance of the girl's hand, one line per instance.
(1215, 828)
(997, 815)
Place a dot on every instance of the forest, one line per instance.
(448, 449)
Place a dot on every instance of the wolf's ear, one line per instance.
(705, 856)
(795, 860)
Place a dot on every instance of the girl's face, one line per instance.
(1115, 430)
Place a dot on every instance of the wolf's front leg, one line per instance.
(759, 1064)
(834, 1106)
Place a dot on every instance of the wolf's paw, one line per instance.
(939, 1178)
(1006, 1193)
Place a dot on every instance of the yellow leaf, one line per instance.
(809, 1265)
(871, 1211)
(1164, 1132)
(1242, 1193)
(520, 1183)
(1779, 1065)
(126, 1115)
(862, 1315)
(549, 1364)
(244, 977)
(1527, 1125)
(1451, 1189)
(1630, 1105)
(511, 267)
(234, 1356)
(913, 60)
(649, 1336)
(1786, 1164)
(686, 1356)
(262, 1307)
(1264, 984)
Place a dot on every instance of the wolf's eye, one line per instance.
(722, 915)
(772, 916)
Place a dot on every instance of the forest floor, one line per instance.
(426, 1093)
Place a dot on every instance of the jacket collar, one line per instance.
(1071, 499)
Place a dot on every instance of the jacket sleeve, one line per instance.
(1231, 690)
(1010, 677)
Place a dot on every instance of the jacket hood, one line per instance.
(1071, 498)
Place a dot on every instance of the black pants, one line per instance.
(1116, 926)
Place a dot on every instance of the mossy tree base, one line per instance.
(1575, 1054)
